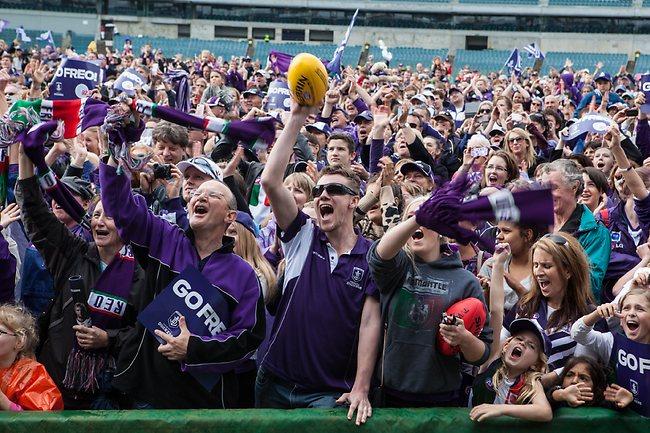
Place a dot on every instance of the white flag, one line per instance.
(21, 35)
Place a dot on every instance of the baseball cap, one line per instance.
(341, 109)
(204, 165)
(364, 115)
(620, 88)
(263, 73)
(420, 98)
(454, 89)
(603, 76)
(319, 127)
(523, 324)
(219, 101)
(79, 187)
(446, 115)
(247, 221)
(420, 166)
(496, 129)
(254, 91)
(628, 94)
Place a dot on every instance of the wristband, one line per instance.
(625, 170)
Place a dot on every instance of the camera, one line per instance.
(162, 171)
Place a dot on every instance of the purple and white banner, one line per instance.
(278, 96)
(595, 123)
(75, 79)
(645, 87)
(128, 81)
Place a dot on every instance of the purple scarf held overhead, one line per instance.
(445, 209)
(34, 147)
(180, 80)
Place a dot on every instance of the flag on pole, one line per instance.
(334, 65)
(534, 52)
(47, 37)
(21, 35)
(385, 54)
(513, 64)
(3, 24)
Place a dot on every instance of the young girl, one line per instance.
(583, 383)
(518, 277)
(24, 383)
(629, 353)
(511, 383)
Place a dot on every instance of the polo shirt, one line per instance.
(316, 329)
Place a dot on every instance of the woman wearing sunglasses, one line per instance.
(520, 146)
(559, 295)
(419, 278)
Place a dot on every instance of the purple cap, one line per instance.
(247, 221)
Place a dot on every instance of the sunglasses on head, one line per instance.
(332, 189)
(557, 239)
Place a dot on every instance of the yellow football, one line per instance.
(307, 79)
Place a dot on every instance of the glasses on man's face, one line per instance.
(557, 239)
(332, 189)
(515, 139)
(537, 104)
(213, 195)
(8, 333)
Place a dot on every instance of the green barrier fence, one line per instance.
(313, 421)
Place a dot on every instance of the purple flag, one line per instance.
(280, 61)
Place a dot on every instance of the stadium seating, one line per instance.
(607, 3)
(508, 2)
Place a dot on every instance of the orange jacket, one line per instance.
(28, 384)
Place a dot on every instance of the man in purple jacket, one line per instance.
(327, 327)
(148, 372)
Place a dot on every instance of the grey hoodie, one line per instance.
(413, 297)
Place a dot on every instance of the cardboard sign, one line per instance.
(205, 310)
(75, 79)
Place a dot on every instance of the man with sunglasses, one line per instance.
(326, 332)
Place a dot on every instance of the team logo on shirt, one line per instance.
(355, 278)
(616, 236)
(634, 386)
(174, 319)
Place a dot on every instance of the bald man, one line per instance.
(154, 375)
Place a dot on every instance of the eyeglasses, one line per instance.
(484, 111)
(557, 239)
(8, 333)
(332, 189)
(211, 194)
(495, 167)
(515, 139)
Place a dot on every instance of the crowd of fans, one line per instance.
(334, 280)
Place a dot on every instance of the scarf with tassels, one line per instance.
(107, 303)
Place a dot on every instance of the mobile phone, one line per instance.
(479, 151)
(632, 112)
(515, 117)
(448, 319)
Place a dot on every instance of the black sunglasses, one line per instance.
(557, 239)
(484, 111)
(332, 189)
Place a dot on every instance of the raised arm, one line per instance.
(632, 178)
(282, 202)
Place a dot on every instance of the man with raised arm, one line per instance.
(157, 375)
(327, 327)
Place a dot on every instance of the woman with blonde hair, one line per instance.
(560, 294)
(419, 278)
(25, 383)
(520, 146)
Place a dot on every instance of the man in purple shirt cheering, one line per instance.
(327, 327)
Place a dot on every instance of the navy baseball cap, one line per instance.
(254, 91)
(420, 166)
(603, 76)
(247, 221)
(319, 127)
(523, 324)
(365, 115)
